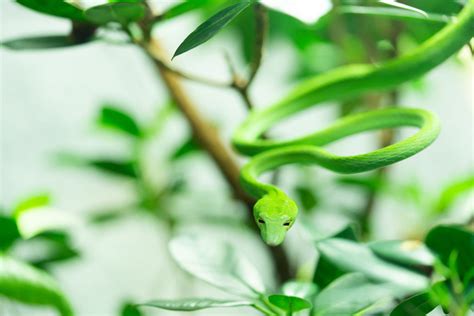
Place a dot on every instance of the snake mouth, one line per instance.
(274, 240)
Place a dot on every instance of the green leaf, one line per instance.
(32, 202)
(184, 7)
(217, 263)
(211, 27)
(410, 253)
(8, 232)
(120, 168)
(290, 304)
(452, 192)
(28, 285)
(194, 304)
(58, 8)
(129, 309)
(403, 6)
(35, 221)
(307, 197)
(187, 148)
(117, 119)
(394, 13)
(118, 12)
(417, 305)
(39, 42)
(446, 241)
(300, 289)
(349, 295)
(340, 256)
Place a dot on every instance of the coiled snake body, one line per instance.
(274, 211)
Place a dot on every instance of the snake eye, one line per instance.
(261, 221)
(286, 224)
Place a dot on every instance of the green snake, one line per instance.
(275, 212)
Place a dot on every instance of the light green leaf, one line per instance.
(194, 304)
(117, 119)
(445, 241)
(452, 192)
(59, 8)
(396, 4)
(349, 295)
(211, 27)
(394, 13)
(300, 289)
(118, 12)
(37, 220)
(340, 256)
(417, 305)
(410, 253)
(290, 304)
(188, 147)
(34, 201)
(217, 263)
(39, 42)
(28, 285)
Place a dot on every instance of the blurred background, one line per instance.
(51, 143)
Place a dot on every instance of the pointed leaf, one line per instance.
(290, 304)
(217, 263)
(39, 42)
(117, 119)
(59, 8)
(396, 4)
(211, 27)
(194, 304)
(188, 147)
(118, 12)
(394, 13)
(410, 252)
(23, 283)
(417, 305)
(350, 294)
(184, 7)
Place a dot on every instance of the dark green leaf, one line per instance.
(117, 119)
(446, 241)
(307, 197)
(340, 256)
(409, 253)
(23, 283)
(129, 309)
(189, 146)
(211, 27)
(417, 305)
(349, 232)
(121, 168)
(8, 232)
(290, 304)
(349, 295)
(58, 8)
(118, 12)
(184, 7)
(39, 42)
(217, 263)
(194, 304)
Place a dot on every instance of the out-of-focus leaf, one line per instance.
(211, 27)
(349, 232)
(118, 12)
(307, 197)
(35, 221)
(446, 241)
(417, 305)
(340, 256)
(217, 263)
(59, 8)
(290, 304)
(117, 119)
(23, 283)
(129, 309)
(32, 202)
(194, 304)
(187, 148)
(404, 7)
(121, 168)
(39, 42)
(8, 232)
(452, 192)
(394, 13)
(299, 289)
(349, 295)
(409, 253)
(371, 183)
(184, 7)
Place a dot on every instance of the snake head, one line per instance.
(275, 214)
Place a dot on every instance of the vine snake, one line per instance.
(274, 212)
